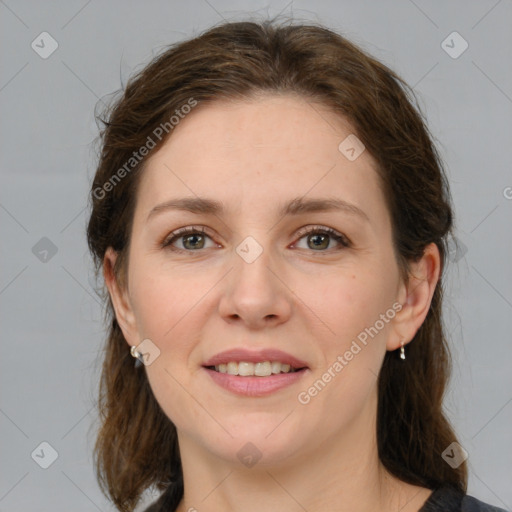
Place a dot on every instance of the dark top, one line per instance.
(443, 499)
(447, 499)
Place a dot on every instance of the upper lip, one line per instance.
(255, 356)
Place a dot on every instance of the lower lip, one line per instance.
(255, 386)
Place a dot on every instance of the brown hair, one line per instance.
(136, 446)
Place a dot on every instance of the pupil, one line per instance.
(324, 237)
(192, 237)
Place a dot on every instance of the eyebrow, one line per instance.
(296, 206)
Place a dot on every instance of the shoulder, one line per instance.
(449, 499)
(470, 504)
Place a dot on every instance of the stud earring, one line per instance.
(402, 350)
(137, 355)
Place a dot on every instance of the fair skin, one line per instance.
(254, 156)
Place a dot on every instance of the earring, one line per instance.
(402, 350)
(137, 355)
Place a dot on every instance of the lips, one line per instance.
(255, 356)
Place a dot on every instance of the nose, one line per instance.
(255, 293)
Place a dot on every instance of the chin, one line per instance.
(263, 439)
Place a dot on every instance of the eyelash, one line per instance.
(193, 230)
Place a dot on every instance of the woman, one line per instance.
(270, 216)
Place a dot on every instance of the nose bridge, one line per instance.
(252, 278)
(254, 293)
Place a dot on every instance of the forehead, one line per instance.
(273, 125)
(266, 149)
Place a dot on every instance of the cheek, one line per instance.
(354, 306)
(351, 305)
(171, 307)
(348, 303)
(166, 313)
(161, 300)
(154, 303)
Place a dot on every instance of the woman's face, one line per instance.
(262, 273)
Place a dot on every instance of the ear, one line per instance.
(416, 297)
(120, 299)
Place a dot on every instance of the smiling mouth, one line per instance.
(260, 369)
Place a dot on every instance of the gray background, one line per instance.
(52, 320)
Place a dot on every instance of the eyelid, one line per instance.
(180, 232)
(330, 231)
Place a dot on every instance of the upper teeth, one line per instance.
(263, 369)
